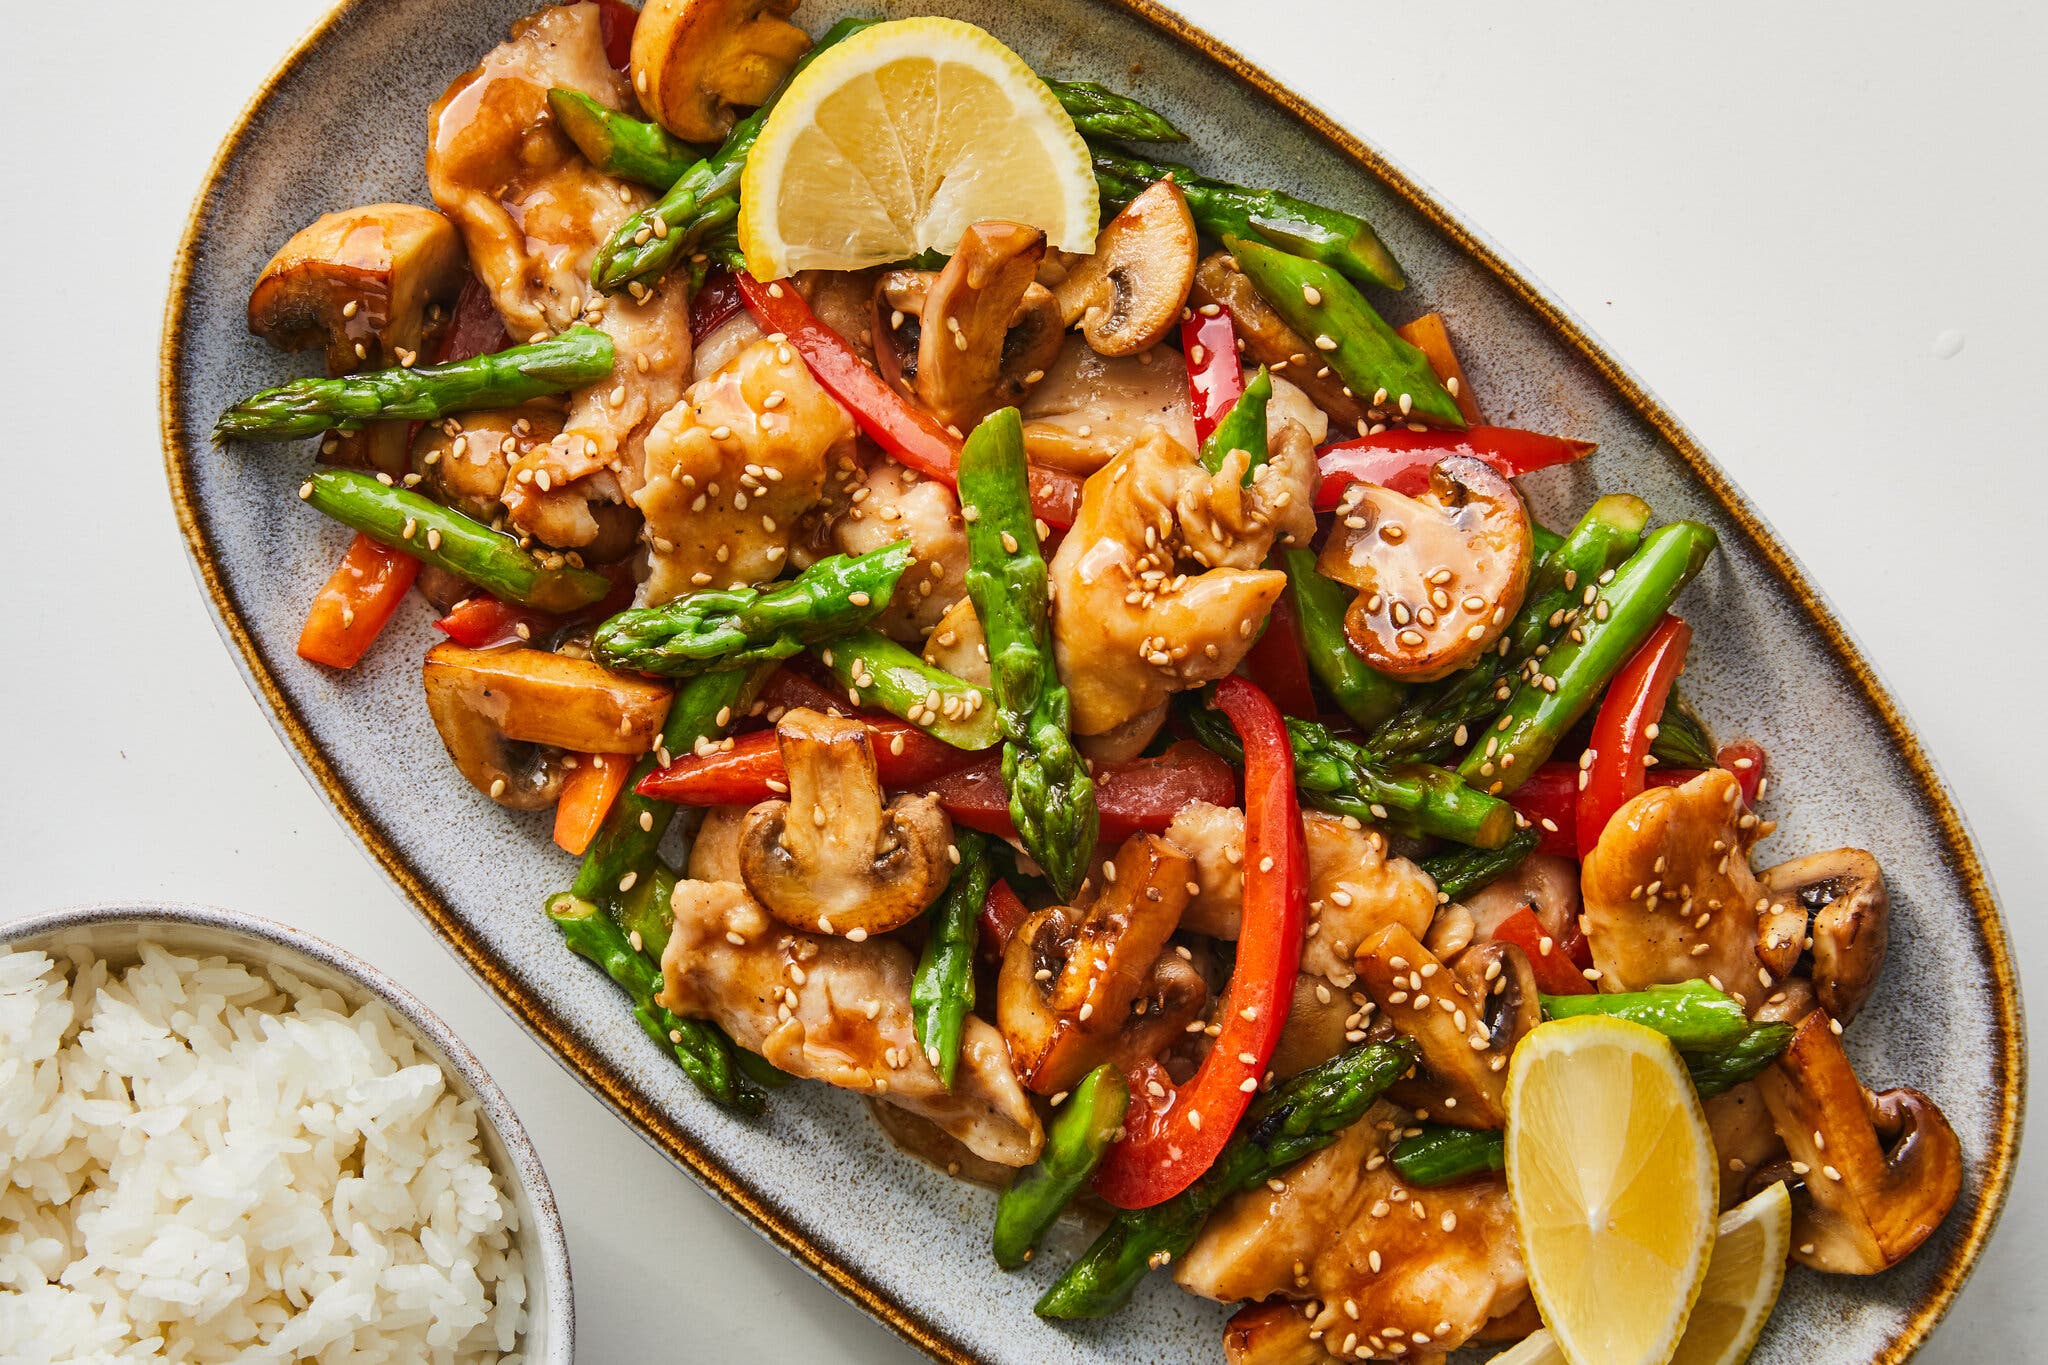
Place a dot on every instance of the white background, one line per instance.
(1816, 230)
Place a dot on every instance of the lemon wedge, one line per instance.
(897, 140)
(1610, 1168)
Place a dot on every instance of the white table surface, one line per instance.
(1815, 230)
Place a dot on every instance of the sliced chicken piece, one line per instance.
(1544, 883)
(715, 852)
(1745, 1142)
(894, 503)
(959, 645)
(1426, 1269)
(1089, 408)
(839, 1012)
(732, 467)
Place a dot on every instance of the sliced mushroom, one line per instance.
(697, 62)
(1438, 576)
(486, 702)
(1276, 1333)
(358, 284)
(1074, 979)
(833, 858)
(1130, 293)
(1880, 1171)
(1269, 341)
(1465, 1020)
(1835, 906)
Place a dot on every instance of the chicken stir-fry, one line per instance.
(1140, 736)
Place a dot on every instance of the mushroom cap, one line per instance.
(696, 62)
(1438, 576)
(1130, 293)
(1835, 905)
(387, 260)
(834, 859)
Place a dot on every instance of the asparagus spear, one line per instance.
(1606, 635)
(1052, 797)
(1458, 872)
(942, 990)
(1098, 111)
(620, 145)
(1349, 336)
(1224, 210)
(735, 627)
(876, 671)
(1725, 1068)
(1075, 1143)
(1438, 1155)
(1242, 428)
(1367, 695)
(704, 1052)
(1346, 778)
(570, 359)
(643, 248)
(445, 538)
(1435, 715)
(1297, 1118)
(1693, 1015)
(644, 914)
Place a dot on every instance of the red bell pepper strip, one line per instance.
(587, 795)
(1556, 973)
(486, 622)
(1002, 914)
(1215, 374)
(715, 303)
(752, 770)
(1621, 742)
(1275, 662)
(1401, 460)
(910, 436)
(616, 21)
(1550, 799)
(1166, 1146)
(1144, 794)
(1743, 757)
(355, 602)
(1428, 335)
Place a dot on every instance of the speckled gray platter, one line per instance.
(115, 932)
(344, 121)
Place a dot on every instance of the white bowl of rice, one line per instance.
(222, 1139)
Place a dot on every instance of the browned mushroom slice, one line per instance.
(834, 858)
(1465, 1022)
(358, 284)
(968, 339)
(1130, 293)
(1880, 1171)
(1835, 906)
(696, 62)
(1269, 341)
(1277, 1333)
(485, 702)
(1074, 978)
(1438, 576)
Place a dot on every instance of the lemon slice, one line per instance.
(1611, 1171)
(897, 140)
(1741, 1288)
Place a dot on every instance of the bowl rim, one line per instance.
(755, 1205)
(493, 1108)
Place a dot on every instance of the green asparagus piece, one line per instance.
(1346, 778)
(876, 671)
(1367, 695)
(704, 1052)
(1296, 1118)
(942, 990)
(1052, 797)
(569, 359)
(445, 538)
(1725, 1068)
(623, 851)
(1098, 111)
(617, 144)
(1075, 1143)
(1224, 210)
(1429, 725)
(1242, 428)
(1459, 872)
(1350, 337)
(1681, 740)
(673, 224)
(1693, 1015)
(644, 912)
(736, 627)
(1438, 1155)
(1606, 635)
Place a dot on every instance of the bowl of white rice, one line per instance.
(222, 1139)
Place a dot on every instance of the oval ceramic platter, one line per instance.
(343, 121)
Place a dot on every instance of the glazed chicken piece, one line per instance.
(533, 212)
(1544, 883)
(1386, 1265)
(839, 1012)
(732, 467)
(1157, 587)
(891, 503)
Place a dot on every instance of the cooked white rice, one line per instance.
(204, 1161)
